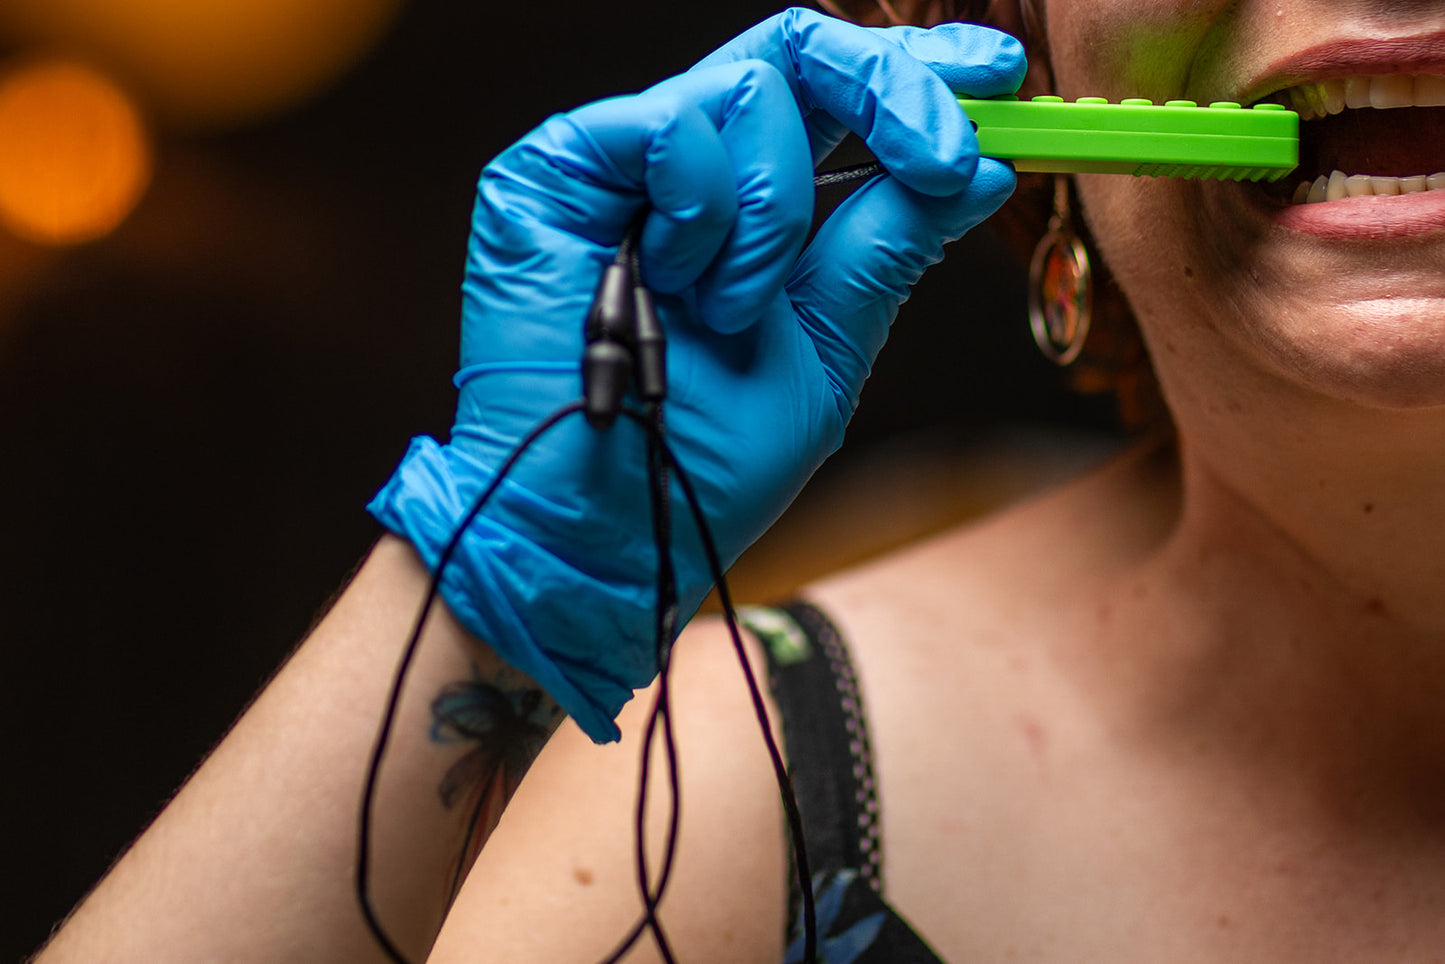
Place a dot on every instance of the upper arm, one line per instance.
(557, 881)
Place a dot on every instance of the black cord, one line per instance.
(662, 456)
(847, 175)
(622, 327)
(780, 770)
(383, 736)
(665, 630)
(634, 324)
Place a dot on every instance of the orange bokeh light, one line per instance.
(208, 62)
(76, 155)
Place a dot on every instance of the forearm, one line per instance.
(255, 857)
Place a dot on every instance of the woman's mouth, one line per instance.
(1366, 136)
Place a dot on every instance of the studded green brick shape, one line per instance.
(1135, 136)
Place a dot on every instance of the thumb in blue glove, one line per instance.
(769, 344)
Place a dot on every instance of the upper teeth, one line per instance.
(1316, 100)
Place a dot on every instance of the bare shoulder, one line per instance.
(948, 636)
(956, 616)
(947, 623)
(995, 573)
(954, 642)
(558, 880)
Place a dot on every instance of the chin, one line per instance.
(1384, 355)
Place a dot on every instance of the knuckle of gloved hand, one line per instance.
(702, 214)
(689, 175)
(802, 34)
(794, 20)
(542, 167)
(754, 82)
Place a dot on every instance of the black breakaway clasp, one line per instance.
(626, 347)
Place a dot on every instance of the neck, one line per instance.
(1292, 620)
(1347, 499)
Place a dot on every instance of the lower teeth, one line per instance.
(1337, 185)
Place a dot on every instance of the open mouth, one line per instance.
(1366, 136)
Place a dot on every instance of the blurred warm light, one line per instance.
(75, 155)
(209, 62)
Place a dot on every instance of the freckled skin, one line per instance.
(1323, 316)
(1234, 665)
(1282, 354)
(1035, 736)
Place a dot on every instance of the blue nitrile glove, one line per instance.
(767, 352)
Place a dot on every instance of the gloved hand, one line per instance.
(769, 345)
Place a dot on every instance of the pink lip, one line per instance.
(1422, 54)
(1366, 218)
(1362, 218)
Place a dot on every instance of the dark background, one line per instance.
(194, 410)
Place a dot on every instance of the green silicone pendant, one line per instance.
(1135, 136)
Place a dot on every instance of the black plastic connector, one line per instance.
(606, 376)
(610, 333)
(650, 348)
(624, 339)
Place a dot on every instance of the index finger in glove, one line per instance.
(970, 59)
(772, 175)
(720, 156)
(586, 173)
(849, 284)
(891, 87)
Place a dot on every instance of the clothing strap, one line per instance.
(826, 736)
(831, 766)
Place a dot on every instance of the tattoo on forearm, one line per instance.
(506, 721)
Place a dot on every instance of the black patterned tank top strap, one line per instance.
(830, 762)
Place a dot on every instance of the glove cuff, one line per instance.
(568, 631)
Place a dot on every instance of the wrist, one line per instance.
(586, 641)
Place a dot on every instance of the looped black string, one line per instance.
(661, 462)
(383, 736)
(780, 770)
(631, 337)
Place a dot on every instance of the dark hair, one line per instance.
(1114, 359)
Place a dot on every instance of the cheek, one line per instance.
(1130, 48)
(1148, 233)
(1135, 221)
(1148, 230)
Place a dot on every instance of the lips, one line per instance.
(1372, 119)
(1367, 136)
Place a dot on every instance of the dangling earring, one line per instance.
(1061, 285)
